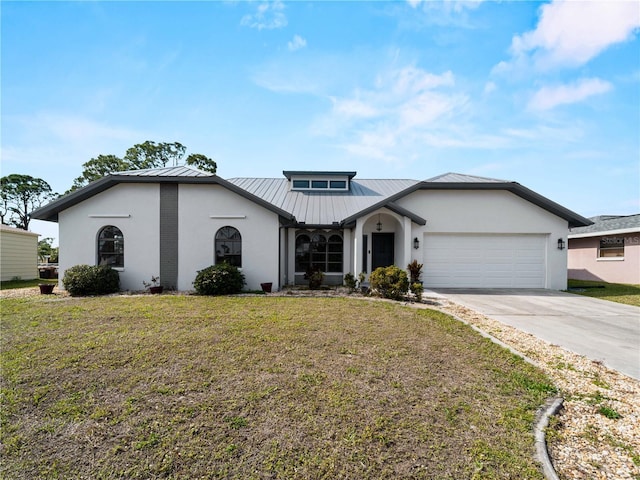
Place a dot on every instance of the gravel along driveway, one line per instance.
(596, 435)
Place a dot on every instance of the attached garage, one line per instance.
(484, 260)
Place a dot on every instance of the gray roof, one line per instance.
(319, 207)
(178, 171)
(313, 208)
(608, 224)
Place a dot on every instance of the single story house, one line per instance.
(467, 231)
(18, 254)
(608, 250)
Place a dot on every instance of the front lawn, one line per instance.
(615, 292)
(258, 387)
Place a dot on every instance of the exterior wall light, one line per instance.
(416, 243)
(379, 224)
(561, 244)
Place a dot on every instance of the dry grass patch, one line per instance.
(243, 387)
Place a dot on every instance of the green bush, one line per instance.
(389, 282)
(220, 279)
(81, 280)
(417, 290)
(350, 281)
(315, 277)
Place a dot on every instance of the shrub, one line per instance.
(417, 290)
(220, 279)
(415, 270)
(315, 277)
(81, 280)
(389, 282)
(350, 281)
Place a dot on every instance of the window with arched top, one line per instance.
(228, 246)
(111, 247)
(319, 250)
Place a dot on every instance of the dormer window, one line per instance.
(320, 181)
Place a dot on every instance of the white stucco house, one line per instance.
(467, 231)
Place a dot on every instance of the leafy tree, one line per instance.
(21, 194)
(202, 162)
(154, 155)
(139, 157)
(46, 250)
(98, 167)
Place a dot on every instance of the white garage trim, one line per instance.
(484, 260)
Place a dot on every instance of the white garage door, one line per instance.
(484, 261)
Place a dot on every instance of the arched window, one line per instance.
(318, 250)
(111, 247)
(229, 246)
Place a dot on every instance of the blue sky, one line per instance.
(546, 94)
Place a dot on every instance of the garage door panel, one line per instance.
(498, 261)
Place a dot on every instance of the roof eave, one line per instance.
(50, 211)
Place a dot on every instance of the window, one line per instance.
(111, 247)
(229, 246)
(301, 184)
(338, 184)
(319, 184)
(611, 247)
(319, 250)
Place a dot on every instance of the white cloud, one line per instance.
(572, 33)
(490, 87)
(297, 43)
(268, 15)
(550, 97)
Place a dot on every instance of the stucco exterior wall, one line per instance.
(202, 211)
(584, 264)
(501, 212)
(18, 254)
(134, 209)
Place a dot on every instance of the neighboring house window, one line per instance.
(320, 251)
(229, 246)
(611, 247)
(111, 247)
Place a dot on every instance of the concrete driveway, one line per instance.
(598, 329)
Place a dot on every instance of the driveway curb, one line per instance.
(551, 408)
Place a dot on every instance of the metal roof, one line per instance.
(313, 207)
(322, 207)
(608, 224)
(178, 171)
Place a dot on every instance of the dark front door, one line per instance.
(381, 250)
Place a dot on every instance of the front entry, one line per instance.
(382, 251)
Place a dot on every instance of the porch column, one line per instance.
(347, 252)
(357, 248)
(408, 243)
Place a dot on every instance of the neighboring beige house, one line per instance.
(608, 250)
(18, 254)
(467, 231)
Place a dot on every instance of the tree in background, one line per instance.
(201, 162)
(20, 195)
(139, 157)
(98, 167)
(46, 251)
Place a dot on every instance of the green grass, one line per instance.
(615, 292)
(258, 387)
(11, 284)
